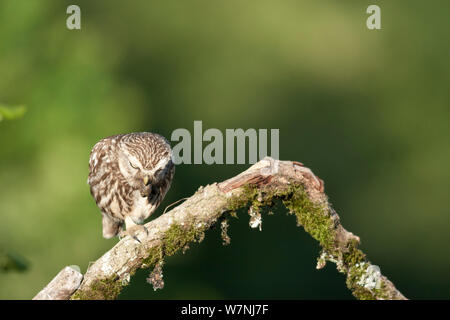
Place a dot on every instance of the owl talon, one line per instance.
(133, 232)
(137, 239)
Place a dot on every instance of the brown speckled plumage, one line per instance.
(129, 176)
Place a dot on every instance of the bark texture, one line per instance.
(62, 286)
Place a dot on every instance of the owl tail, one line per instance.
(110, 227)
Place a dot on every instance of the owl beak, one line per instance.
(146, 180)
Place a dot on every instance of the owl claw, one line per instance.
(133, 232)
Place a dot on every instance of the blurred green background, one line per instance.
(367, 111)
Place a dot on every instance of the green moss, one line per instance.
(155, 254)
(383, 292)
(253, 197)
(177, 237)
(249, 192)
(363, 294)
(102, 289)
(233, 214)
(353, 254)
(355, 273)
(314, 218)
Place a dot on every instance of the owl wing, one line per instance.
(103, 176)
(110, 227)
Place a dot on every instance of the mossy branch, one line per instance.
(260, 186)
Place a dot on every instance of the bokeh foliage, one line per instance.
(12, 262)
(11, 113)
(368, 111)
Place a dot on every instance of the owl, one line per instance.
(129, 175)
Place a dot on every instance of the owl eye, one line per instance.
(133, 166)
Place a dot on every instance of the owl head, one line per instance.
(144, 160)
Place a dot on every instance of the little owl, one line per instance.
(129, 176)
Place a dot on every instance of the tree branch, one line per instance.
(269, 180)
(62, 286)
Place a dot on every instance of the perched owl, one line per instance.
(129, 176)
